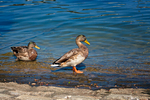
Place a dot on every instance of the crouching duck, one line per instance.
(74, 56)
(25, 53)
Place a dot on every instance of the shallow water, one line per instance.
(119, 33)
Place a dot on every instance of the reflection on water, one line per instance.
(118, 32)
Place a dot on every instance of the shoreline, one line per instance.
(15, 91)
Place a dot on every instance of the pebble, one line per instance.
(33, 84)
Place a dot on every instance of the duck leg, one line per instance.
(75, 70)
(17, 59)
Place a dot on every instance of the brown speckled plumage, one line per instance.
(26, 53)
(74, 56)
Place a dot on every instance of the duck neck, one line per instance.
(82, 47)
(30, 47)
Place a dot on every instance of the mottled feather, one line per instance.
(74, 56)
(26, 53)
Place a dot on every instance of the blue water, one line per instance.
(119, 33)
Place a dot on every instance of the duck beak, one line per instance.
(37, 47)
(87, 42)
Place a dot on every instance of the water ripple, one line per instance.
(118, 33)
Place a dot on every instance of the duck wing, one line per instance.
(67, 55)
(20, 49)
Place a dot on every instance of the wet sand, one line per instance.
(15, 91)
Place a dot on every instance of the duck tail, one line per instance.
(55, 65)
(13, 48)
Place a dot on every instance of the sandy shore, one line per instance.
(15, 91)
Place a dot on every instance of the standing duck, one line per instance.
(25, 53)
(74, 56)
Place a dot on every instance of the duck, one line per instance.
(25, 53)
(74, 56)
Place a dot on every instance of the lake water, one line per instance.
(119, 33)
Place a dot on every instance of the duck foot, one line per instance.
(76, 71)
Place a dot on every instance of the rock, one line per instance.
(2, 90)
(77, 97)
(28, 97)
(120, 97)
(4, 96)
(14, 91)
